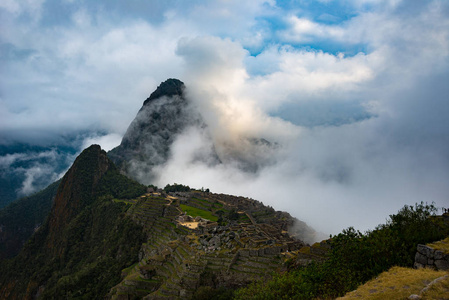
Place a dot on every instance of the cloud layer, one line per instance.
(353, 93)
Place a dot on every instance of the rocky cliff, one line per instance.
(77, 190)
(164, 117)
(146, 143)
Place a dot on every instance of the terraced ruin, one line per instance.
(203, 239)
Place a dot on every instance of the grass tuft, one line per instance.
(194, 212)
(442, 245)
(398, 283)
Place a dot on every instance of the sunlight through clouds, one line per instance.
(352, 93)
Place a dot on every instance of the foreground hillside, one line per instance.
(403, 283)
(355, 258)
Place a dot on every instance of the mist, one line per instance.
(330, 176)
(335, 111)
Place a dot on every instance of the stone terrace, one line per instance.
(176, 259)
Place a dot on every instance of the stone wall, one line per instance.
(427, 257)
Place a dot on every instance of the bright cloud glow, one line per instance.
(353, 92)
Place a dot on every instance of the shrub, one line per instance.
(356, 258)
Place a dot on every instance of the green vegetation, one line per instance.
(21, 217)
(441, 245)
(208, 293)
(154, 187)
(356, 258)
(233, 215)
(176, 188)
(100, 243)
(89, 241)
(119, 186)
(203, 201)
(243, 218)
(82, 257)
(217, 205)
(194, 212)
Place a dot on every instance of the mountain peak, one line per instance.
(170, 87)
(77, 187)
(147, 141)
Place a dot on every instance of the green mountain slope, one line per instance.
(109, 237)
(86, 240)
(21, 218)
(106, 237)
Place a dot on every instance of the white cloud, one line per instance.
(11, 6)
(9, 159)
(107, 142)
(303, 30)
(333, 177)
(306, 75)
(30, 7)
(94, 72)
(82, 18)
(217, 84)
(33, 174)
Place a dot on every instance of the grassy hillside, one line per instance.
(400, 283)
(443, 245)
(197, 212)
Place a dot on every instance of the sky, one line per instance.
(355, 93)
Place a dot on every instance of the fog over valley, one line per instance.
(334, 111)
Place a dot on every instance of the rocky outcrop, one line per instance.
(428, 257)
(148, 139)
(163, 118)
(169, 88)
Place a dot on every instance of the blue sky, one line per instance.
(65, 52)
(356, 91)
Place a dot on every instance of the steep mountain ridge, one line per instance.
(86, 239)
(147, 141)
(167, 115)
(76, 190)
(169, 88)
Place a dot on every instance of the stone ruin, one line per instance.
(427, 257)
